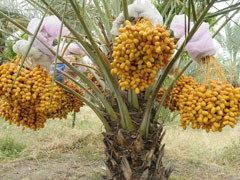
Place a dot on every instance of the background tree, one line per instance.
(230, 42)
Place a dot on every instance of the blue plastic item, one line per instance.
(58, 76)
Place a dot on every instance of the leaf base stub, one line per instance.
(129, 156)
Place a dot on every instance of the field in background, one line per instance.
(200, 155)
(62, 153)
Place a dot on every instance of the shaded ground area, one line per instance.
(59, 152)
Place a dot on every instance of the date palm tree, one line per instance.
(134, 133)
(230, 42)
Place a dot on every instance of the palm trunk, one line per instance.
(129, 156)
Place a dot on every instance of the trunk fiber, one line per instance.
(129, 156)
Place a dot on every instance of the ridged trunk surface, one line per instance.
(129, 156)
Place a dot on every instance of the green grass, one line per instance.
(98, 175)
(230, 155)
(194, 161)
(9, 148)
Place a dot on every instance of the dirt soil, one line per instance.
(73, 167)
(62, 167)
(194, 170)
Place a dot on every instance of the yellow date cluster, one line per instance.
(73, 100)
(94, 80)
(139, 51)
(211, 107)
(28, 103)
(172, 98)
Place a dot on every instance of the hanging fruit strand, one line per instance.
(211, 105)
(216, 102)
(208, 71)
(205, 73)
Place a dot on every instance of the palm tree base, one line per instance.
(132, 157)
